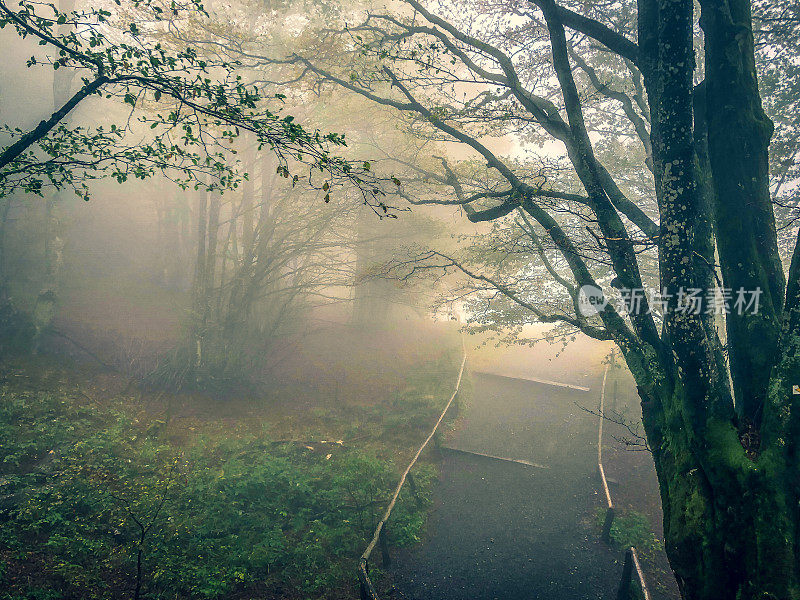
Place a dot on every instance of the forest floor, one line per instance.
(269, 494)
(274, 494)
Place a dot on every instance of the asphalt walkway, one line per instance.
(510, 531)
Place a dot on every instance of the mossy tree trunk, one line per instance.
(730, 510)
(725, 459)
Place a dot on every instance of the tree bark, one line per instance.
(738, 139)
(198, 325)
(730, 515)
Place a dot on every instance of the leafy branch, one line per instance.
(190, 109)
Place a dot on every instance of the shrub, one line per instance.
(85, 494)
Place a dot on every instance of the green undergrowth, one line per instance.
(89, 491)
(401, 421)
(631, 528)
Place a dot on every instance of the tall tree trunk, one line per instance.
(248, 208)
(730, 520)
(730, 504)
(198, 326)
(371, 295)
(62, 88)
(45, 306)
(738, 140)
(211, 258)
(4, 212)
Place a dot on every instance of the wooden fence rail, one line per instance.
(379, 538)
(631, 557)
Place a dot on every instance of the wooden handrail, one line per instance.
(610, 512)
(367, 588)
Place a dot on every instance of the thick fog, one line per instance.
(418, 299)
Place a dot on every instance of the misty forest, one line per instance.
(400, 300)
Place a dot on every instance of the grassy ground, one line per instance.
(105, 488)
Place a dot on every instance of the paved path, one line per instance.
(508, 531)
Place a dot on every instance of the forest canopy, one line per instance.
(195, 106)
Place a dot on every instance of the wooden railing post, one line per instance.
(379, 537)
(363, 574)
(631, 557)
(384, 547)
(624, 591)
(609, 521)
